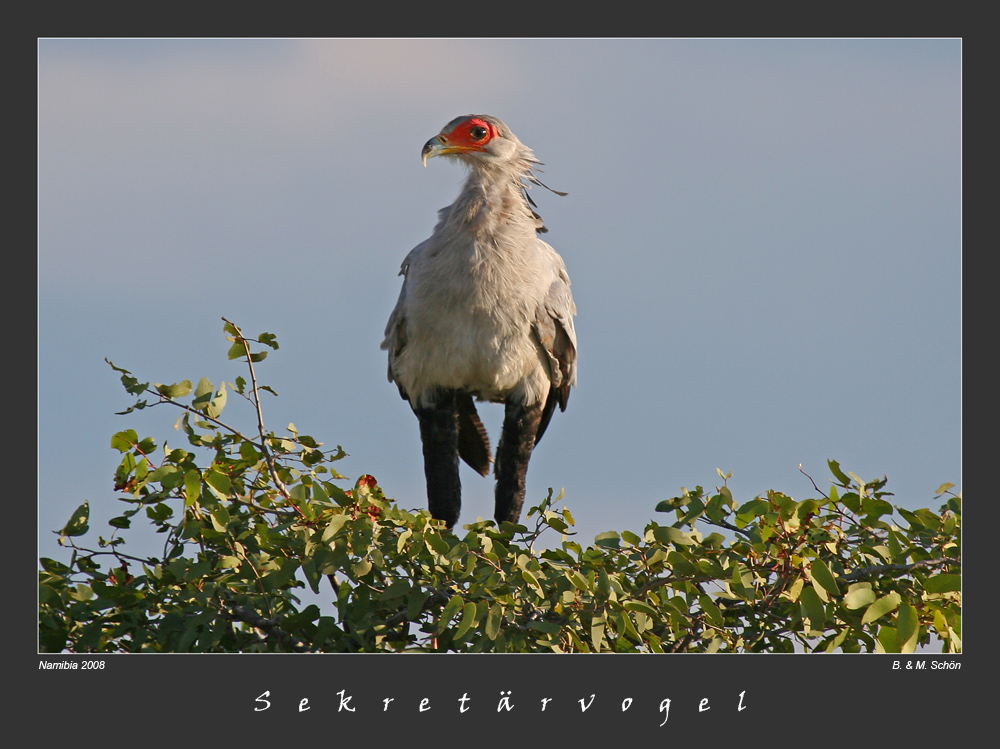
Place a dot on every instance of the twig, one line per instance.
(879, 569)
(268, 457)
(659, 581)
(117, 554)
(268, 626)
(729, 526)
(820, 491)
(436, 598)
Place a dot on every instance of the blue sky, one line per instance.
(764, 238)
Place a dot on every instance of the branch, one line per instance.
(729, 526)
(114, 553)
(437, 598)
(656, 582)
(864, 572)
(267, 626)
(680, 645)
(200, 415)
(268, 457)
(818, 490)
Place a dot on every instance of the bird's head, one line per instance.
(476, 139)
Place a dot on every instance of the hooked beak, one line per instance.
(439, 146)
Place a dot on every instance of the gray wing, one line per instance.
(395, 329)
(473, 442)
(555, 334)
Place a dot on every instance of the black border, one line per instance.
(194, 698)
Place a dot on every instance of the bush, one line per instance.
(250, 519)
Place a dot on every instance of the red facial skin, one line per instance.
(463, 136)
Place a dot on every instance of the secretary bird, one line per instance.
(485, 313)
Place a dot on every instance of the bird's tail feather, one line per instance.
(473, 442)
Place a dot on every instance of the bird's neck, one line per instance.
(492, 202)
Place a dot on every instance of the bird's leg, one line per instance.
(439, 434)
(520, 428)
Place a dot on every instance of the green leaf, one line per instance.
(530, 578)
(203, 391)
(681, 565)
(603, 583)
(795, 589)
(177, 390)
(851, 501)
(812, 607)
(451, 608)
(207, 400)
(435, 542)
(875, 508)
(838, 474)
(82, 592)
(736, 582)
(549, 628)
(895, 549)
(415, 604)
(859, 595)
(280, 578)
(609, 539)
(219, 483)
(750, 510)
(806, 508)
(192, 487)
(493, 620)
(881, 607)
(645, 608)
(887, 639)
(945, 583)
(580, 582)
(333, 526)
(169, 475)
(631, 538)
(468, 619)
(597, 624)
(297, 621)
(78, 522)
(666, 534)
(907, 628)
(667, 505)
(712, 612)
(718, 507)
(714, 541)
(54, 566)
(220, 518)
(555, 522)
(124, 441)
(821, 573)
(159, 513)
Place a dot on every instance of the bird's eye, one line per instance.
(478, 132)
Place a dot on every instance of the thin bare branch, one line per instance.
(864, 572)
(820, 491)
